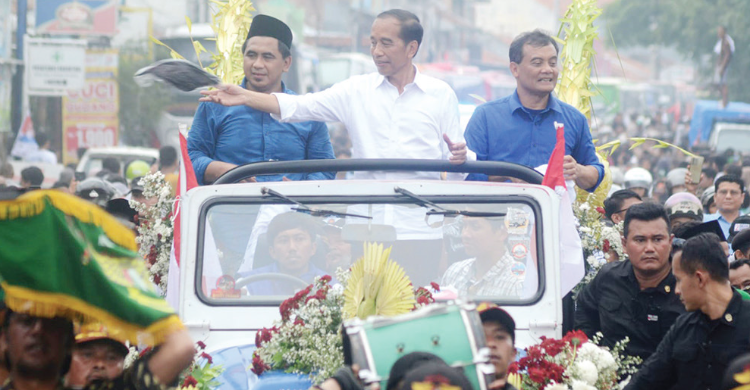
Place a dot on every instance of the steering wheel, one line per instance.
(270, 275)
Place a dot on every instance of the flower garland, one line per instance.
(574, 362)
(601, 243)
(202, 373)
(155, 230)
(308, 340)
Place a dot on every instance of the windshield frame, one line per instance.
(373, 199)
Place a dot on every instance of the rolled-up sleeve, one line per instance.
(202, 140)
(319, 148)
(585, 153)
(330, 105)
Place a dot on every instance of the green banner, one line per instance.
(63, 256)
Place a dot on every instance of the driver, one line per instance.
(490, 272)
(291, 243)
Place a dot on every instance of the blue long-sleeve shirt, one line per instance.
(241, 135)
(505, 130)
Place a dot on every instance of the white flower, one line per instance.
(579, 385)
(586, 371)
(556, 386)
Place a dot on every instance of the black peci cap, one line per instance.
(268, 26)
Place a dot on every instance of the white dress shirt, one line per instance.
(383, 124)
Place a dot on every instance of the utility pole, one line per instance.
(17, 87)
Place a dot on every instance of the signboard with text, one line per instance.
(77, 17)
(90, 114)
(54, 66)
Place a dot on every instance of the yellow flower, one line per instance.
(377, 286)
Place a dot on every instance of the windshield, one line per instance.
(262, 253)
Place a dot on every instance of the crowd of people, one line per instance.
(679, 295)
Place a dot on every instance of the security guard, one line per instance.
(700, 346)
(634, 298)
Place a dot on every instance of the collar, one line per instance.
(419, 80)
(732, 313)
(552, 104)
(730, 316)
(284, 89)
(665, 287)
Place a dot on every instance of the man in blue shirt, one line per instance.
(222, 138)
(291, 243)
(520, 128)
(730, 194)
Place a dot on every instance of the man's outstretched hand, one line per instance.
(226, 95)
(458, 150)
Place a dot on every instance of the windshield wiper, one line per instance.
(302, 208)
(438, 210)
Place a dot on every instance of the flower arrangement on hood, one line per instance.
(155, 229)
(308, 340)
(574, 363)
(202, 374)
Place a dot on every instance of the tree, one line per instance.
(690, 27)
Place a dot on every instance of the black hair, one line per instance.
(720, 161)
(681, 230)
(41, 139)
(288, 221)
(167, 156)
(406, 363)
(729, 179)
(647, 211)
(739, 263)
(411, 28)
(536, 38)
(32, 175)
(285, 51)
(614, 203)
(60, 184)
(709, 172)
(704, 251)
(734, 169)
(111, 164)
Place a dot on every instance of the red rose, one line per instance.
(189, 381)
(201, 345)
(207, 357)
(435, 286)
(326, 278)
(600, 209)
(299, 321)
(537, 375)
(606, 246)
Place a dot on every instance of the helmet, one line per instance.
(676, 177)
(96, 190)
(137, 168)
(638, 178)
(708, 197)
(617, 175)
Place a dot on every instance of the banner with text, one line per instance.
(90, 115)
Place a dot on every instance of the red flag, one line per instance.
(572, 269)
(554, 178)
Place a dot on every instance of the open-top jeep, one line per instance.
(231, 272)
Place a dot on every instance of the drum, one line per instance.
(453, 331)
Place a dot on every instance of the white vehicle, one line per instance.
(727, 135)
(91, 161)
(229, 289)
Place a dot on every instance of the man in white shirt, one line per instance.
(43, 154)
(394, 113)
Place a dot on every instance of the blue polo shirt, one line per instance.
(505, 130)
(242, 135)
